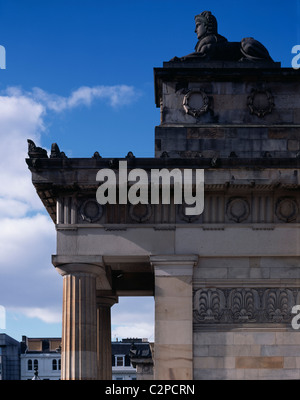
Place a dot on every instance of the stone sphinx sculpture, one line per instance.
(213, 46)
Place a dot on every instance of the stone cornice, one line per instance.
(68, 164)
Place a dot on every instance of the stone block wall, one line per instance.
(242, 320)
(227, 141)
(252, 113)
(230, 102)
(256, 353)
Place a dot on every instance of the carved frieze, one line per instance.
(244, 305)
(219, 209)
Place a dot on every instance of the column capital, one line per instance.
(106, 298)
(76, 259)
(75, 264)
(174, 264)
(80, 268)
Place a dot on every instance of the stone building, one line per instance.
(225, 281)
(142, 361)
(9, 358)
(129, 357)
(41, 355)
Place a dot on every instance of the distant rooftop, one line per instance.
(40, 345)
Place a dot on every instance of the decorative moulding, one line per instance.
(244, 305)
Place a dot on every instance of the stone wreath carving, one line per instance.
(187, 102)
(238, 209)
(244, 305)
(140, 212)
(91, 211)
(184, 217)
(287, 209)
(260, 102)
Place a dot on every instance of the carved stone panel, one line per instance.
(209, 304)
(277, 304)
(244, 305)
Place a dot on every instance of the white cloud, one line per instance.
(20, 118)
(133, 317)
(12, 208)
(116, 96)
(29, 283)
(27, 277)
(48, 315)
(137, 330)
(24, 243)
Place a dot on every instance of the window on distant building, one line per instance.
(54, 365)
(29, 365)
(59, 364)
(119, 361)
(35, 364)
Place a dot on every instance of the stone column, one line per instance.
(104, 356)
(173, 348)
(79, 324)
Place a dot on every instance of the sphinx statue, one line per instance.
(213, 46)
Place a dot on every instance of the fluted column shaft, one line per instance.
(79, 324)
(104, 355)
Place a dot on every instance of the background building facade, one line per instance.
(40, 358)
(9, 358)
(123, 353)
(43, 355)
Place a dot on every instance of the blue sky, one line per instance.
(80, 73)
